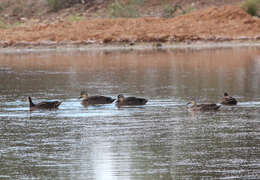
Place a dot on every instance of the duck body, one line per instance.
(228, 100)
(44, 104)
(95, 100)
(202, 107)
(128, 101)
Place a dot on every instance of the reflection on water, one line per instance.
(160, 140)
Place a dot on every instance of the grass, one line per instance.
(252, 7)
(127, 9)
(187, 9)
(74, 18)
(4, 25)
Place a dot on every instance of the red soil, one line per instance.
(216, 23)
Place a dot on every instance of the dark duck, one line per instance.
(193, 106)
(43, 105)
(128, 101)
(94, 100)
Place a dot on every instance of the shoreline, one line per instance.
(70, 47)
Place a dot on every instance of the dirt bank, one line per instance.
(212, 24)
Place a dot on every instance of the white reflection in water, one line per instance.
(103, 165)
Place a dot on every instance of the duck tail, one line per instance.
(30, 101)
(57, 104)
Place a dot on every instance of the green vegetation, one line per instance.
(187, 9)
(17, 11)
(4, 25)
(252, 7)
(125, 9)
(56, 5)
(4, 5)
(170, 11)
(74, 18)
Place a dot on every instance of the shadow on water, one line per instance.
(160, 140)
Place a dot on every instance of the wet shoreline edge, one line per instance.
(29, 47)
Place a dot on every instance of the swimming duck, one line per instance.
(44, 104)
(192, 105)
(125, 101)
(228, 100)
(94, 100)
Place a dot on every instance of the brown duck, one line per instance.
(228, 100)
(125, 101)
(193, 106)
(94, 100)
(43, 105)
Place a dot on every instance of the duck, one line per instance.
(228, 100)
(94, 100)
(44, 104)
(125, 101)
(193, 106)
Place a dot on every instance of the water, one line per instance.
(160, 140)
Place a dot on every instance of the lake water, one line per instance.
(160, 140)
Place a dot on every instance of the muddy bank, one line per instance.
(216, 24)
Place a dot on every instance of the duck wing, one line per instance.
(100, 100)
(48, 104)
(135, 101)
(208, 107)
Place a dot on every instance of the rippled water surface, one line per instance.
(160, 140)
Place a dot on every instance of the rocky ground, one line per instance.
(213, 21)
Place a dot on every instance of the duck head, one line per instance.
(83, 95)
(191, 103)
(225, 94)
(120, 97)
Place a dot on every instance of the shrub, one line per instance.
(56, 5)
(125, 9)
(172, 10)
(17, 11)
(252, 7)
(5, 5)
(168, 11)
